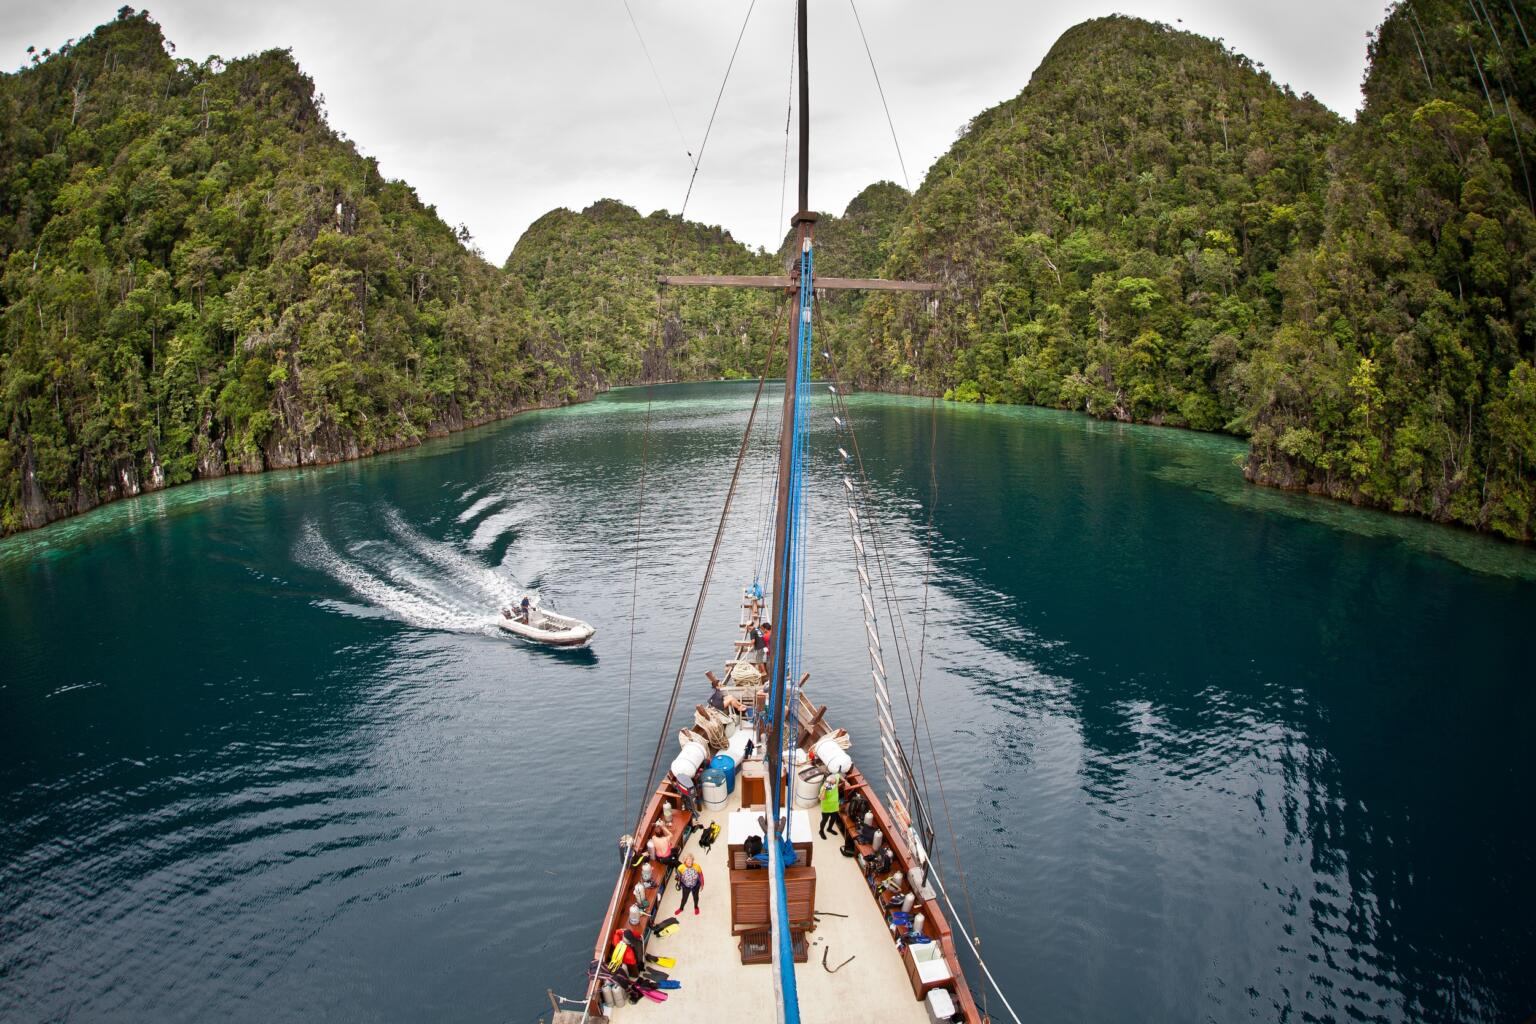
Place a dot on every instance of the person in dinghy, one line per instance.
(524, 610)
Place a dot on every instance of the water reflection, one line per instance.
(1206, 757)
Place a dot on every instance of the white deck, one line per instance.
(718, 988)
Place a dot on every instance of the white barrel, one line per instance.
(807, 792)
(715, 794)
(737, 748)
(833, 757)
(697, 752)
(688, 762)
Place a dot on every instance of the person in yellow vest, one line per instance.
(690, 880)
(831, 800)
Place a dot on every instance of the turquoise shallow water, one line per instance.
(1212, 752)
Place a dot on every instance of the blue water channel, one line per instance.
(1209, 752)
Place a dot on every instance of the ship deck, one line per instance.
(717, 987)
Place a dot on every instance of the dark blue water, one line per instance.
(1211, 753)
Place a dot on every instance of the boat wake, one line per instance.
(426, 583)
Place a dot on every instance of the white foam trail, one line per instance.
(395, 589)
(494, 587)
(480, 506)
(494, 526)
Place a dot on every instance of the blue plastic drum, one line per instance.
(726, 764)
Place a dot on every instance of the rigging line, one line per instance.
(1481, 13)
(757, 532)
(939, 776)
(656, 75)
(870, 53)
(885, 570)
(1413, 33)
(922, 711)
(886, 573)
(898, 626)
(1520, 23)
(709, 569)
(975, 948)
(789, 110)
(699, 160)
(767, 484)
(634, 594)
(933, 499)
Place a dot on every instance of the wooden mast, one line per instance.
(785, 523)
(805, 222)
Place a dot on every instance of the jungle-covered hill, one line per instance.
(591, 281)
(855, 244)
(198, 275)
(1155, 231)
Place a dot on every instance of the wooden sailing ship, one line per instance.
(860, 908)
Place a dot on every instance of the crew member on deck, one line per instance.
(831, 800)
(722, 701)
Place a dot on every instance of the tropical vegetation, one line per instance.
(198, 275)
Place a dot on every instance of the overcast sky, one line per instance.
(500, 111)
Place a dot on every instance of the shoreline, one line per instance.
(465, 426)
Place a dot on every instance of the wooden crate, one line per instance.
(757, 947)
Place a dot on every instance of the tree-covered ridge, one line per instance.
(1109, 239)
(199, 276)
(856, 244)
(1402, 375)
(591, 278)
(1153, 230)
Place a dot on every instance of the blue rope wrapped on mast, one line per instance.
(788, 656)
